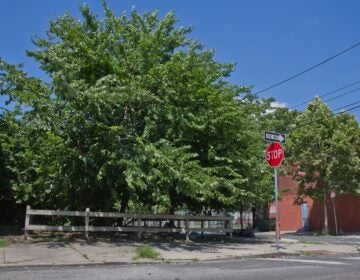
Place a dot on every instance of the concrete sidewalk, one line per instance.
(28, 253)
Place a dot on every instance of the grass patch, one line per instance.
(309, 253)
(3, 243)
(322, 233)
(146, 252)
(309, 242)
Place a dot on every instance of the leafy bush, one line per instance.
(266, 225)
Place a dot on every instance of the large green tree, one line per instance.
(11, 210)
(133, 111)
(324, 150)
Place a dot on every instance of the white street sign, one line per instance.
(274, 137)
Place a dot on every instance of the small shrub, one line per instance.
(146, 252)
(265, 225)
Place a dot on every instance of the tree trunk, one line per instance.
(172, 197)
(241, 219)
(123, 206)
(254, 213)
(326, 225)
(171, 223)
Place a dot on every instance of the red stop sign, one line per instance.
(274, 154)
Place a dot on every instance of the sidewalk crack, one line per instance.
(85, 256)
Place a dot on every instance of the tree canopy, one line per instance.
(134, 115)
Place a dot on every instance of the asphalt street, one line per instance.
(294, 268)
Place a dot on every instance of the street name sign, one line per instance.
(274, 137)
(274, 154)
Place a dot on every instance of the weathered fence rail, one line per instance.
(138, 223)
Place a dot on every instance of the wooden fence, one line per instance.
(138, 223)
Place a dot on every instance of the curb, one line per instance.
(54, 265)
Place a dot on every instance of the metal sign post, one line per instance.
(277, 208)
(274, 155)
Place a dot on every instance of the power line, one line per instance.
(351, 109)
(341, 95)
(343, 107)
(348, 110)
(309, 69)
(337, 109)
(326, 94)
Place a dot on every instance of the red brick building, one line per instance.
(295, 215)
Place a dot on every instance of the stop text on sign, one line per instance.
(274, 154)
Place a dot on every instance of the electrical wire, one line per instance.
(339, 113)
(341, 95)
(343, 107)
(309, 69)
(351, 109)
(326, 94)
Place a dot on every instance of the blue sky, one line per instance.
(268, 40)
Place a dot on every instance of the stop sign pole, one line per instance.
(274, 155)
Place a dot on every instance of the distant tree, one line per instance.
(268, 118)
(325, 150)
(280, 119)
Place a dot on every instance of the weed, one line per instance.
(3, 243)
(308, 254)
(315, 253)
(146, 252)
(85, 256)
(309, 242)
(321, 233)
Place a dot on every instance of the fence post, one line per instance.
(87, 223)
(139, 228)
(27, 221)
(231, 227)
(202, 229)
(187, 229)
